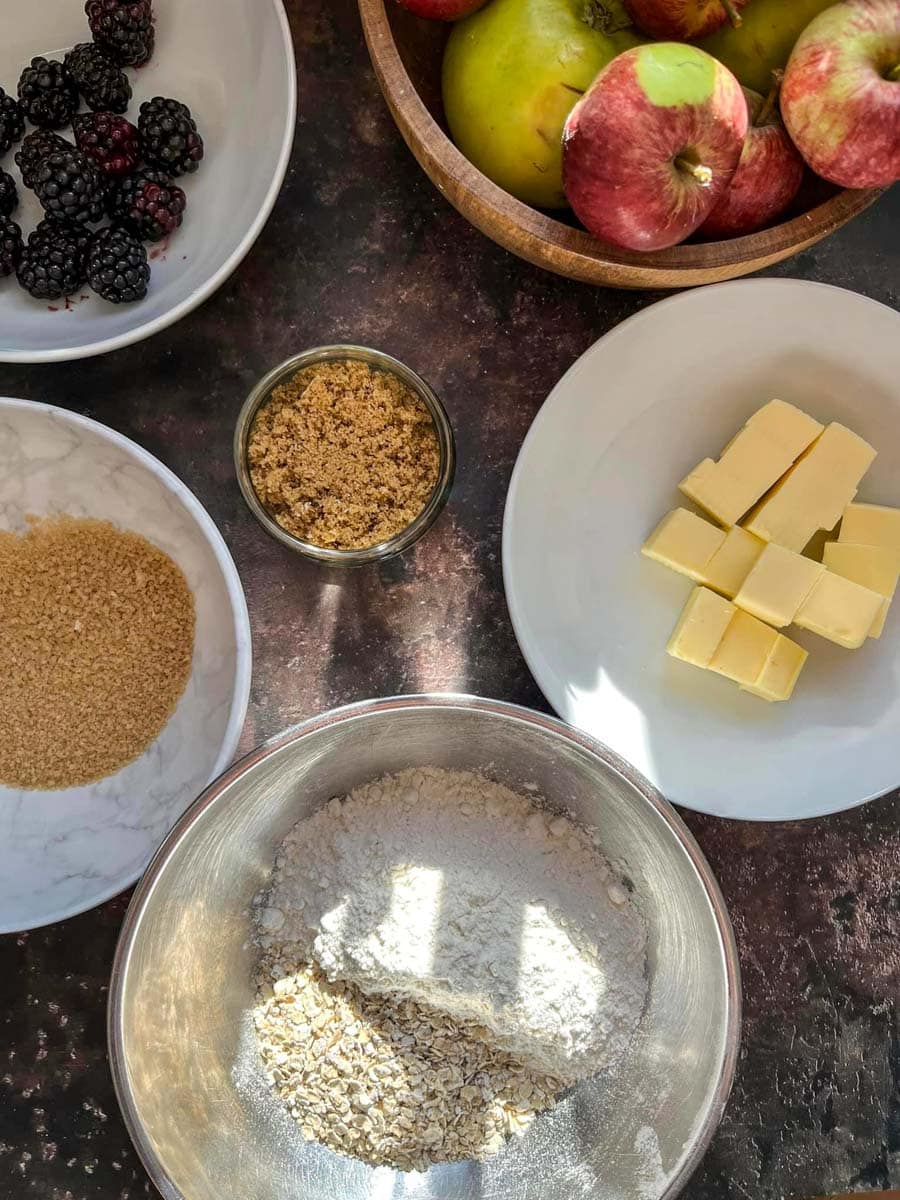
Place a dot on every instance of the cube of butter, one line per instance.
(714, 634)
(684, 542)
(871, 525)
(840, 610)
(744, 649)
(777, 585)
(701, 627)
(816, 492)
(732, 562)
(875, 567)
(755, 459)
(781, 671)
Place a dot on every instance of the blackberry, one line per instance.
(10, 246)
(123, 28)
(70, 187)
(35, 149)
(9, 195)
(117, 267)
(48, 95)
(170, 137)
(149, 204)
(12, 121)
(102, 83)
(52, 264)
(112, 142)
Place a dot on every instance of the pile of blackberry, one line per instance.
(112, 168)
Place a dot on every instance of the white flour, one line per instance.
(451, 889)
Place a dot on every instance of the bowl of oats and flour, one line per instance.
(426, 946)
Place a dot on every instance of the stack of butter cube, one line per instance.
(782, 479)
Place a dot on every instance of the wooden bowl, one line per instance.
(406, 52)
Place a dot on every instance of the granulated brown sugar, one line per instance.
(343, 456)
(96, 643)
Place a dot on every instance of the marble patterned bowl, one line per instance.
(62, 852)
(232, 63)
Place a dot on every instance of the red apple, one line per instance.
(767, 179)
(442, 10)
(650, 148)
(841, 93)
(681, 20)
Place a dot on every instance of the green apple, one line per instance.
(765, 39)
(512, 73)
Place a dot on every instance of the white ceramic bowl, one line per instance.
(63, 852)
(232, 63)
(598, 470)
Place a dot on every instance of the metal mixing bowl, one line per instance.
(182, 1049)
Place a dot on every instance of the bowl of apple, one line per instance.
(647, 143)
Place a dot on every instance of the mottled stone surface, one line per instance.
(362, 248)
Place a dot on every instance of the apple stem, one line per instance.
(733, 15)
(894, 75)
(702, 174)
(771, 100)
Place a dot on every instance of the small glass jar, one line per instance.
(382, 362)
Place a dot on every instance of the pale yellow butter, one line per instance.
(701, 627)
(744, 649)
(684, 542)
(731, 564)
(840, 610)
(711, 556)
(777, 585)
(871, 525)
(752, 462)
(875, 567)
(714, 634)
(781, 671)
(816, 492)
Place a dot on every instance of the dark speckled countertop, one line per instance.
(362, 248)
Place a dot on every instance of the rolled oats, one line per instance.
(389, 1082)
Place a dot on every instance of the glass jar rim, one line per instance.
(407, 536)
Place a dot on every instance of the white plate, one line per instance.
(63, 852)
(232, 63)
(597, 471)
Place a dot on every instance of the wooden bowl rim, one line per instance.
(543, 235)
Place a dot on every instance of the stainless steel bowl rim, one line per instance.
(443, 430)
(350, 712)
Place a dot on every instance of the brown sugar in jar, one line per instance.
(343, 456)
